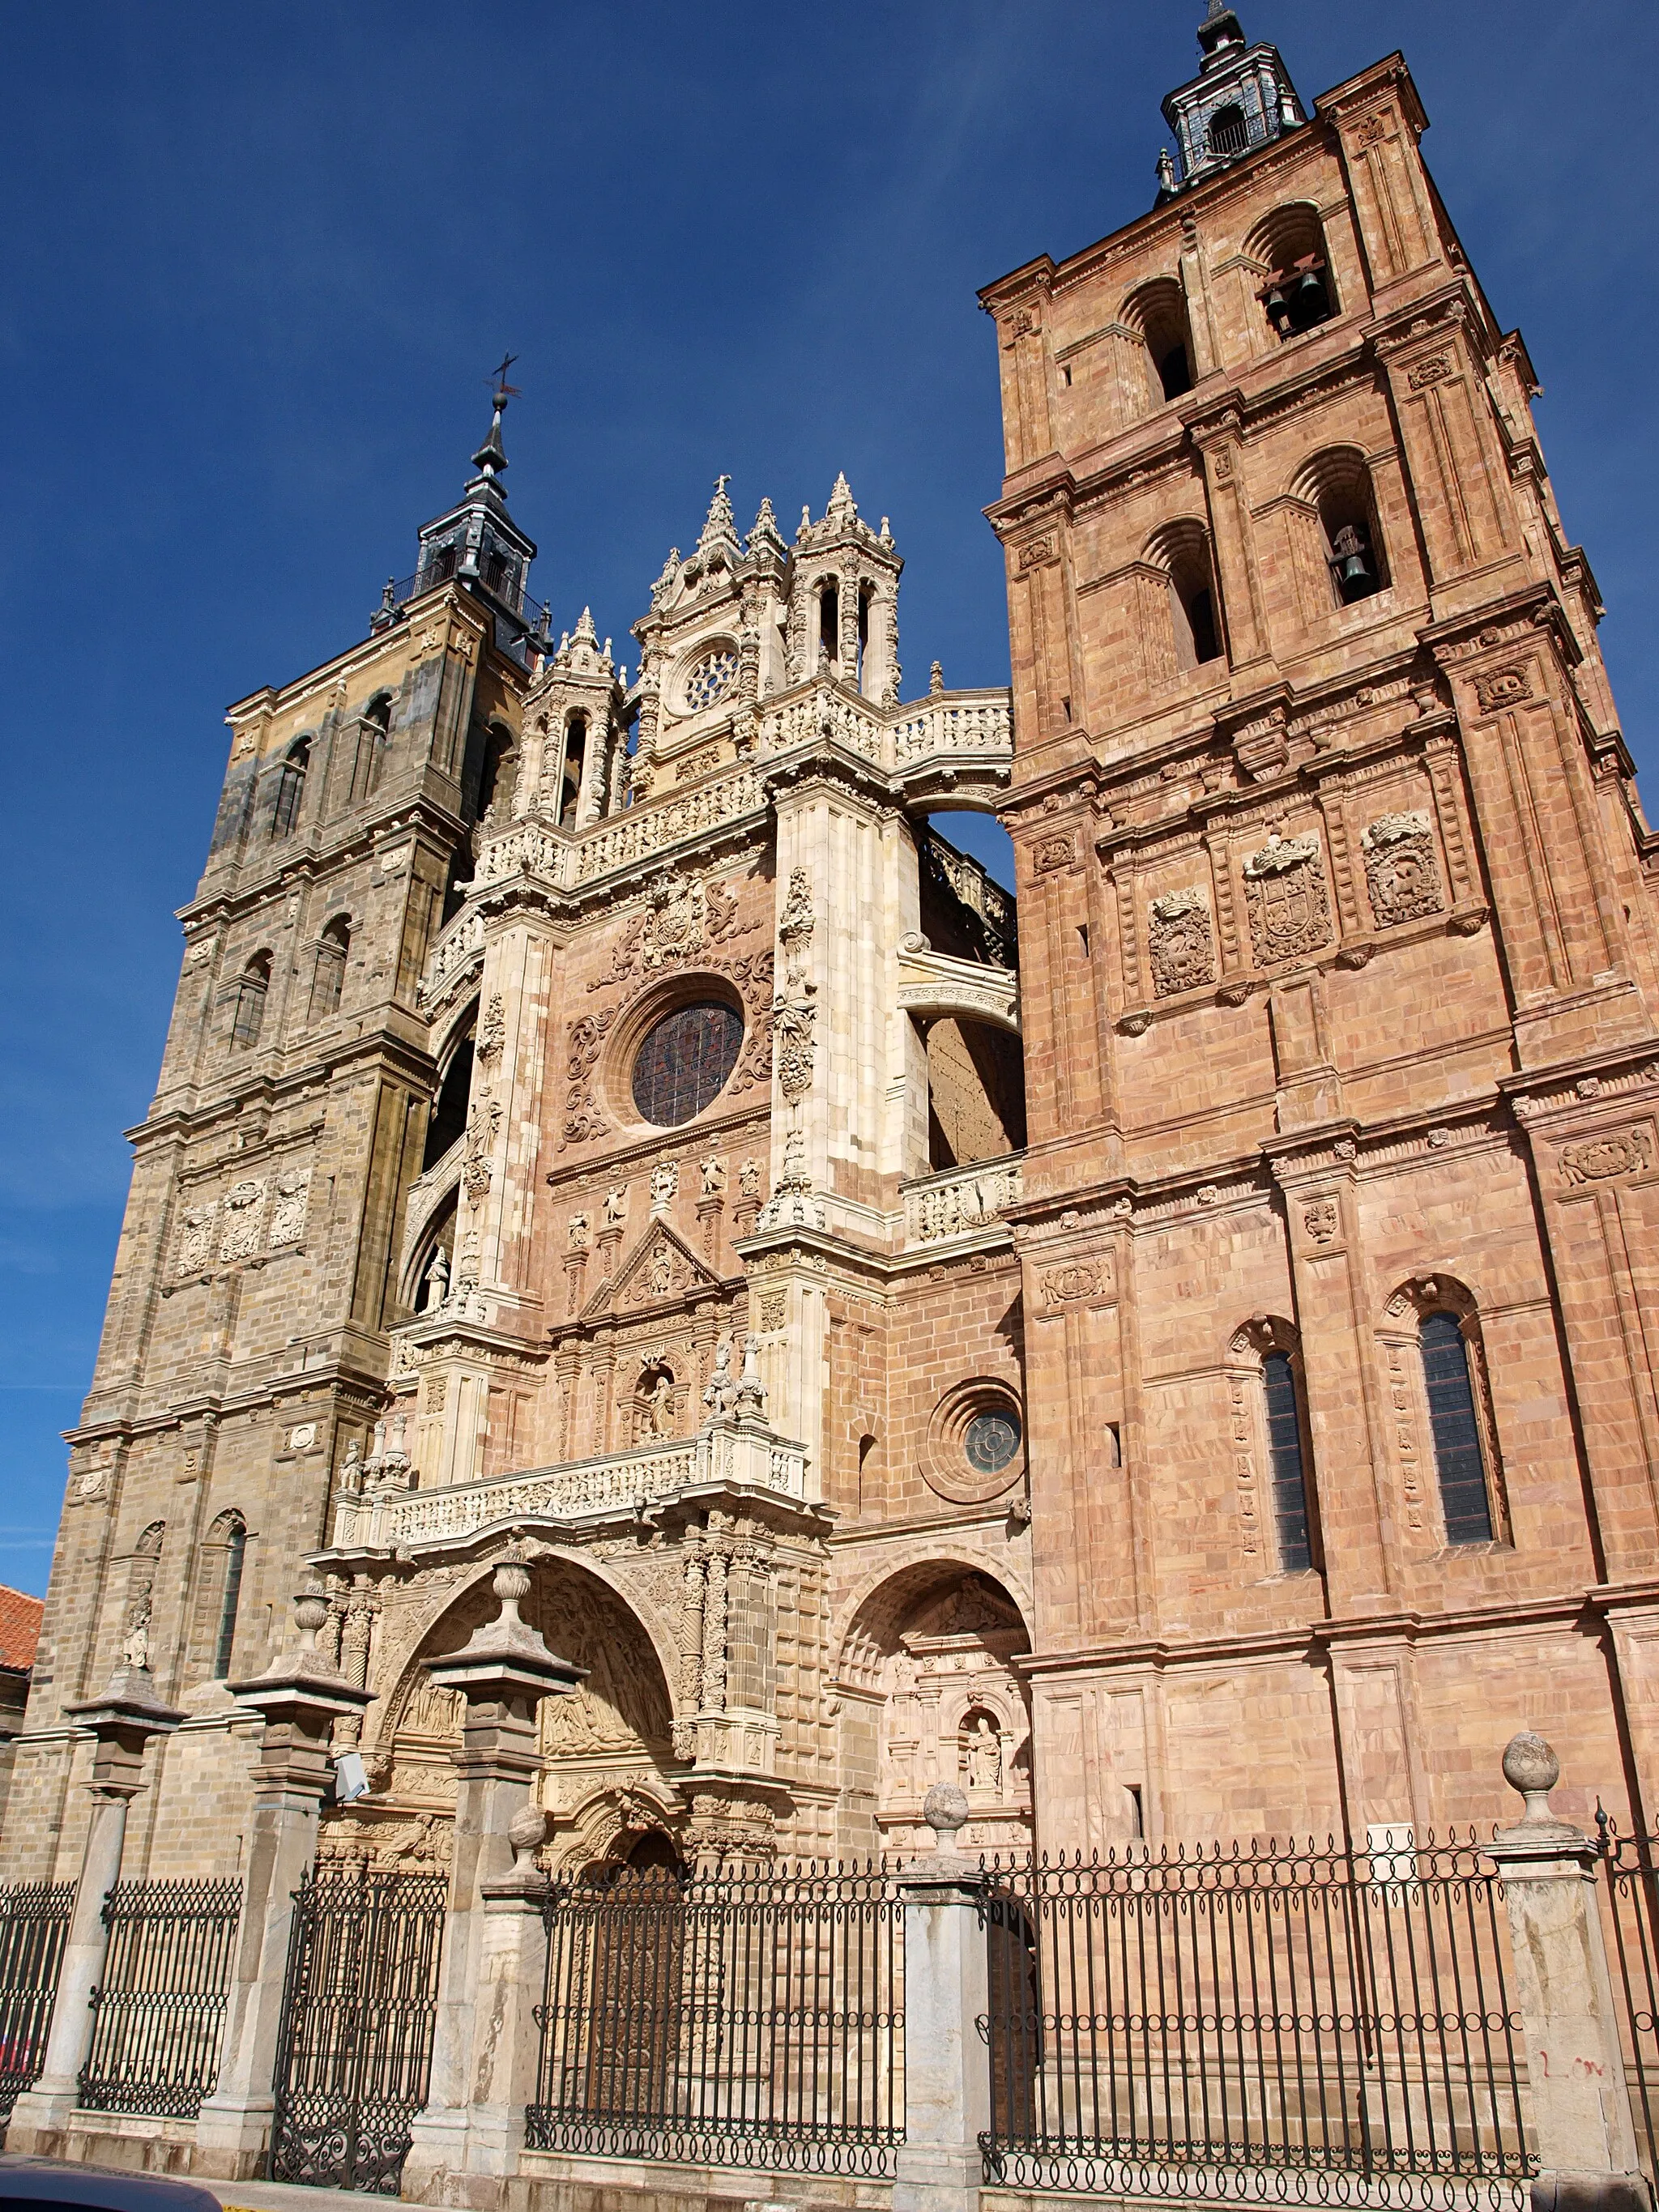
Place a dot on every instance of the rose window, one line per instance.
(990, 1441)
(683, 1063)
(711, 678)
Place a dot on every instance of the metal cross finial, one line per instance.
(498, 378)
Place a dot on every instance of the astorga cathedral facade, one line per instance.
(1172, 1350)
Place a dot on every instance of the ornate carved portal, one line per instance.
(606, 1749)
(948, 1706)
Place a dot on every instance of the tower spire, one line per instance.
(1241, 99)
(491, 460)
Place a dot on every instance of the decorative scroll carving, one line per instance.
(582, 1121)
(1290, 907)
(794, 1016)
(1066, 1285)
(1052, 854)
(244, 1206)
(1505, 686)
(195, 1248)
(1600, 1160)
(1180, 942)
(1401, 874)
(492, 1030)
(287, 1213)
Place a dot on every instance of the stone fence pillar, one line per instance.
(462, 2143)
(947, 2074)
(121, 1723)
(300, 1698)
(1570, 2028)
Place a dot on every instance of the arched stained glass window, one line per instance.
(235, 1544)
(1285, 1452)
(684, 1061)
(1465, 1503)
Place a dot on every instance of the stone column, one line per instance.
(121, 1723)
(503, 1674)
(1575, 2062)
(512, 1975)
(301, 1699)
(947, 2072)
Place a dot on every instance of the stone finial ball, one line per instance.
(944, 1808)
(1530, 1766)
(527, 1829)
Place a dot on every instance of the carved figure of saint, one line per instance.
(616, 1208)
(579, 1233)
(135, 1650)
(984, 1754)
(437, 1281)
(713, 1172)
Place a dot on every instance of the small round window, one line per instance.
(711, 679)
(990, 1441)
(683, 1062)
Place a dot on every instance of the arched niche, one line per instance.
(606, 1754)
(928, 1693)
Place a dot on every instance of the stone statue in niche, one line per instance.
(437, 1280)
(653, 1404)
(981, 1753)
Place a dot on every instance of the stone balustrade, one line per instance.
(953, 732)
(961, 1201)
(957, 722)
(383, 1520)
(455, 950)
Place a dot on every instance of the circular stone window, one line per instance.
(684, 1061)
(975, 1442)
(990, 1441)
(710, 679)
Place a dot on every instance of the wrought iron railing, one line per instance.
(1630, 1895)
(1178, 2022)
(34, 1920)
(359, 2007)
(746, 2019)
(159, 2013)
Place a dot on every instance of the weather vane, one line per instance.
(498, 378)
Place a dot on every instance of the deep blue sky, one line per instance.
(258, 258)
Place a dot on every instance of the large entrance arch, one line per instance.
(928, 1694)
(606, 1780)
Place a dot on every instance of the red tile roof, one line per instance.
(20, 1626)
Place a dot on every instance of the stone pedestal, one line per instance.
(122, 1721)
(1575, 2064)
(947, 2077)
(460, 2154)
(301, 1700)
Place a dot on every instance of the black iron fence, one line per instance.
(34, 1922)
(1629, 1893)
(159, 2013)
(359, 2007)
(745, 2019)
(1185, 2020)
